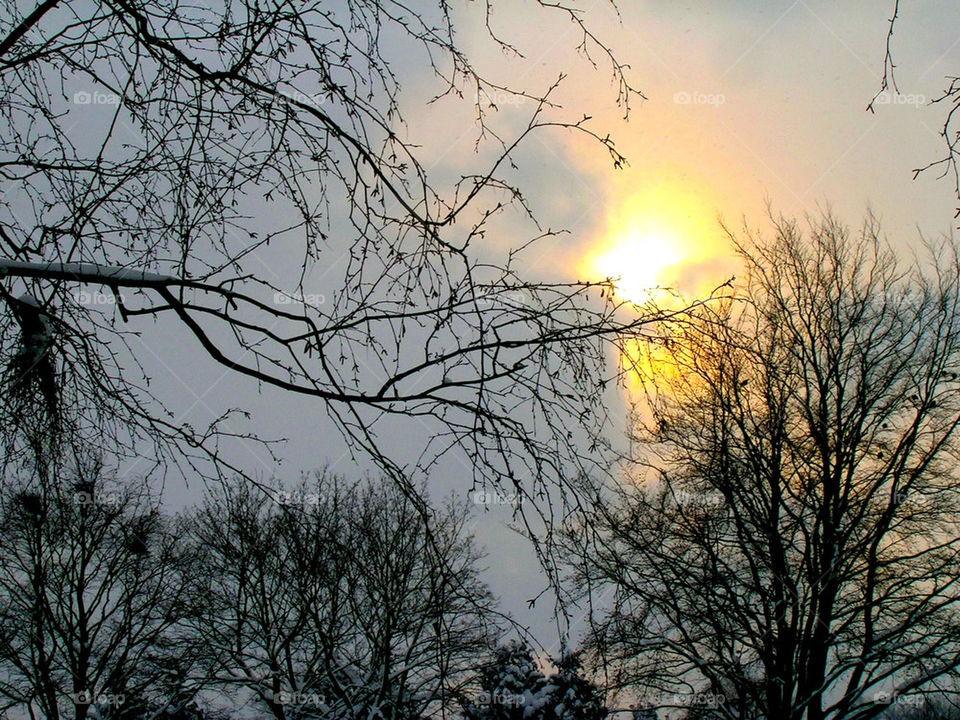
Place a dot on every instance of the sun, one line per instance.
(637, 261)
(659, 238)
(652, 239)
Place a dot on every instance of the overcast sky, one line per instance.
(748, 102)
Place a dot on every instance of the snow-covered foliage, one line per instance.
(29, 378)
(571, 696)
(513, 687)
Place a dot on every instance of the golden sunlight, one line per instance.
(664, 236)
(656, 237)
(637, 261)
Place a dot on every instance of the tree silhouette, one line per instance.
(158, 157)
(791, 549)
(337, 601)
(87, 620)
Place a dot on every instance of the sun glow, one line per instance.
(638, 260)
(656, 238)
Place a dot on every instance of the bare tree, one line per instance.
(158, 155)
(89, 580)
(337, 601)
(791, 548)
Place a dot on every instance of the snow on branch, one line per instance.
(87, 272)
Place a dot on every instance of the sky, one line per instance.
(749, 104)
